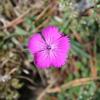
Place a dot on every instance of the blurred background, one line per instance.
(79, 79)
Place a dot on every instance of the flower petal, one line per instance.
(42, 59)
(51, 33)
(36, 43)
(58, 59)
(60, 54)
(64, 44)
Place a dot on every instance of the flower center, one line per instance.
(48, 47)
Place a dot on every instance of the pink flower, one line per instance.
(49, 48)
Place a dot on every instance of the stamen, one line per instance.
(48, 47)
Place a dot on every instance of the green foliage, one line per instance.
(80, 93)
(83, 28)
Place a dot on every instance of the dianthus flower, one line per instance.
(49, 48)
